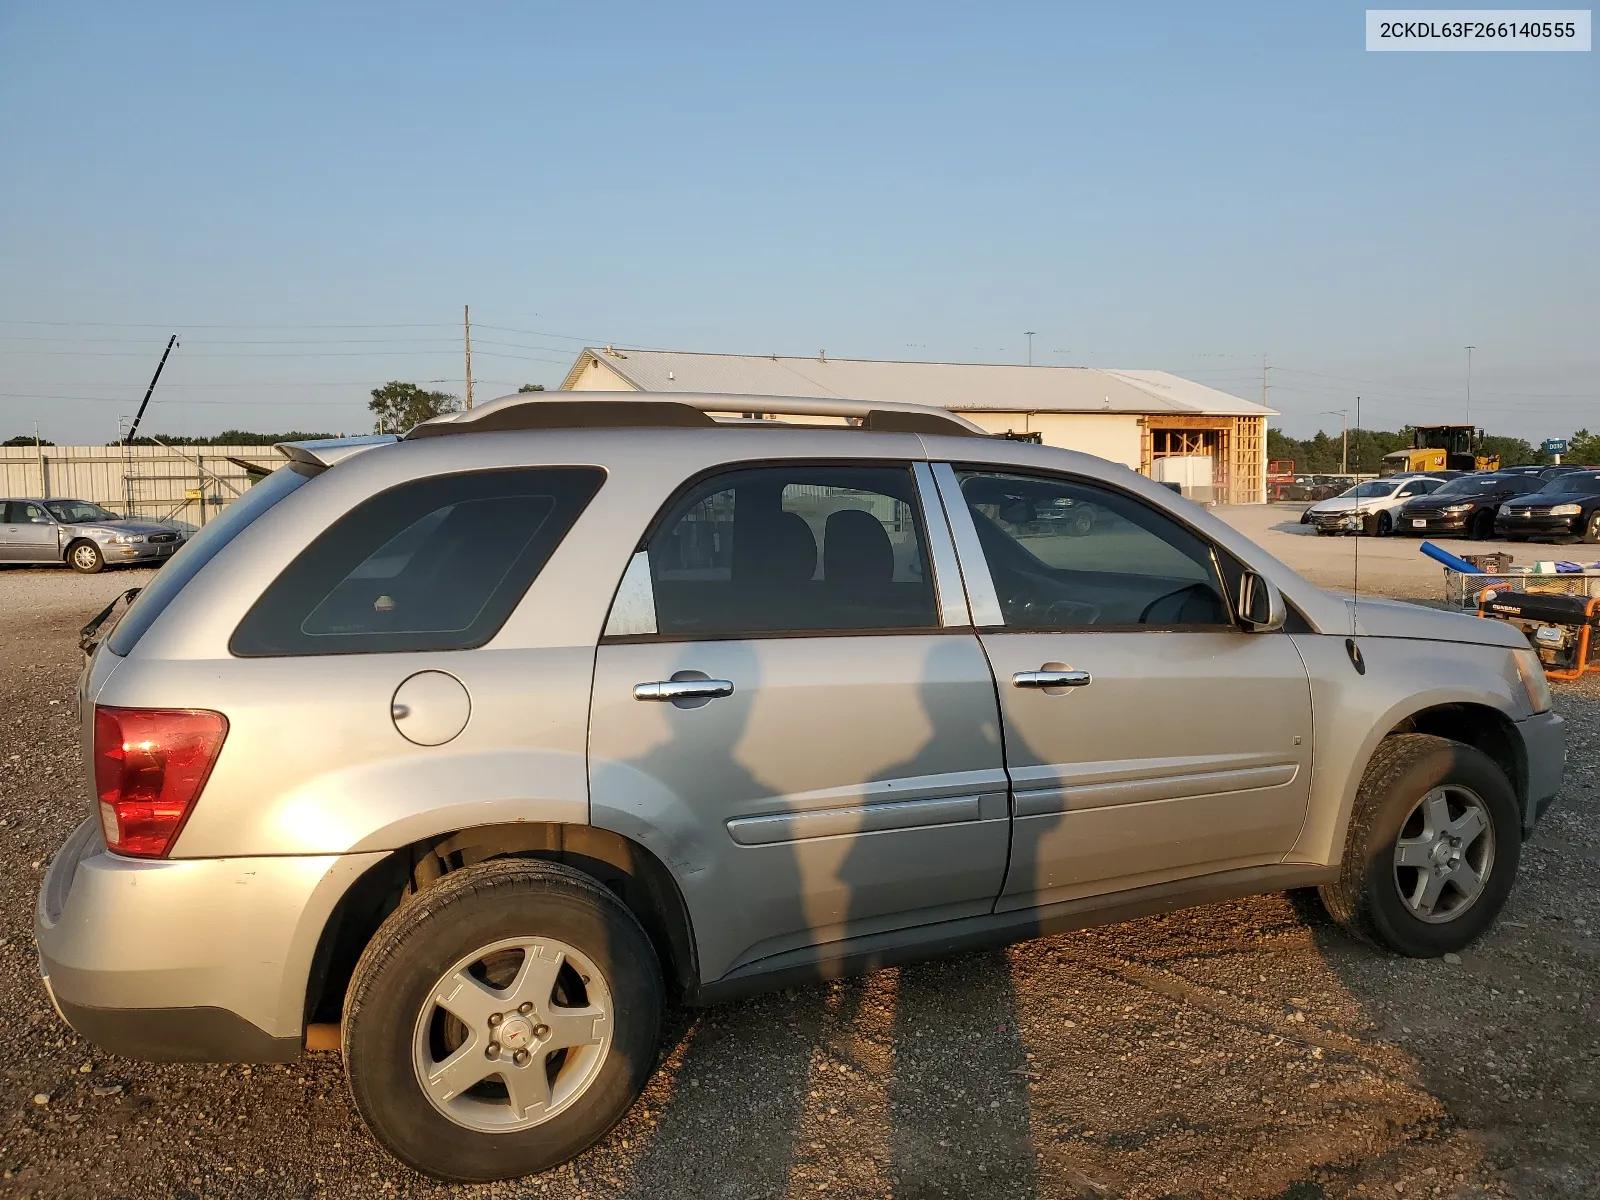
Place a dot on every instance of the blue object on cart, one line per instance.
(1448, 559)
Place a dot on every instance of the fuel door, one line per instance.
(430, 708)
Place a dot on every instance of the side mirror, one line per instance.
(1259, 604)
(42, 521)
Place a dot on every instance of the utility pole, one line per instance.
(1470, 349)
(1029, 335)
(466, 320)
(1263, 381)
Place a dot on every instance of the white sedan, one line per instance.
(1368, 507)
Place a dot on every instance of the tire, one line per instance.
(1406, 770)
(1482, 527)
(1305, 517)
(1385, 525)
(1591, 528)
(85, 558)
(1081, 524)
(394, 1028)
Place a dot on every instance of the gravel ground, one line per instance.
(1241, 1050)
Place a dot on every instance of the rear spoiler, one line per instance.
(324, 452)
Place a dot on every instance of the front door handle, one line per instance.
(1051, 679)
(683, 689)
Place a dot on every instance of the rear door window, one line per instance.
(434, 564)
(796, 549)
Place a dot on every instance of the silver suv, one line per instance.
(467, 750)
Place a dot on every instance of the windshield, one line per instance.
(1472, 485)
(1371, 488)
(1576, 485)
(77, 512)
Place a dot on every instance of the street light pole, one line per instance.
(1029, 335)
(1470, 349)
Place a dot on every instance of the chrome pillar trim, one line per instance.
(981, 597)
(952, 596)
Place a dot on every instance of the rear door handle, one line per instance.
(1051, 679)
(683, 689)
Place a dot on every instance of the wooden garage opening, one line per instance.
(1176, 449)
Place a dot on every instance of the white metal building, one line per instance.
(1172, 429)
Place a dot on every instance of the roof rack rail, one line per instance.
(667, 410)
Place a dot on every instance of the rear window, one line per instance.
(201, 549)
(434, 564)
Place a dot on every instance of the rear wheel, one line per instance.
(1432, 849)
(86, 558)
(502, 1021)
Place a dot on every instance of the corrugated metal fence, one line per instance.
(177, 483)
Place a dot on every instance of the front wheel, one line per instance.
(502, 1021)
(85, 557)
(1482, 527)
(1591, 528)
(1432, 848)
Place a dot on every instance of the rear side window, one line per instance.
(435, 564)
(201, 549)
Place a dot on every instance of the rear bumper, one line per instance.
(1544, 740)
(185, 959)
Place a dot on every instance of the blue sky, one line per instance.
(308, 193)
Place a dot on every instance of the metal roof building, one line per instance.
(1209, 442)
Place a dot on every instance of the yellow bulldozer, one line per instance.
(1441, 448)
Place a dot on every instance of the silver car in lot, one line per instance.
(83, 535)
(467, 752)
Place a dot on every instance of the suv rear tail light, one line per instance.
(149, 767)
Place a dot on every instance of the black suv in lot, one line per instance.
(1463, 506)
(1568, 506)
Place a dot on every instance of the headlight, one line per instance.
(1456, 508)
(1531, 671)
(126, 539)
(1566, 510)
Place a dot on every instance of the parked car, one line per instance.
(1368, 507)
(1549, 473)
(465, 751)
(1567, 507)
(83, 535)
(1465, 506)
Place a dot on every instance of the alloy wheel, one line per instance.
(1444, 854)
(513, 1034)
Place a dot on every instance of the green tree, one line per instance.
(26, 440)
(530, 387)
(1583, 448)
(1513, 452)
(398, 406)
